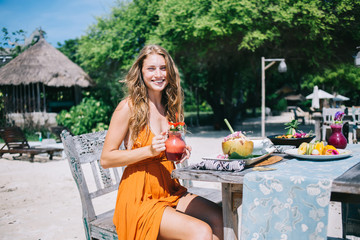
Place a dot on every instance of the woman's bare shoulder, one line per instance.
(123, 106)
(120, 116)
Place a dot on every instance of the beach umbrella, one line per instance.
(322, 95)
(315, 103)
(340, 98)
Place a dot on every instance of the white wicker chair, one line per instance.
(86, 149)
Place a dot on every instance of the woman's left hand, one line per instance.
(187, 154)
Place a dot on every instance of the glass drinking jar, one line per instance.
(175, 146)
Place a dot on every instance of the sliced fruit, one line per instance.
(332, 152)
(302, 148)
(328, 152)
(320, 147)
(328, 147)
(310, 147)
(307, 149)
(315, 152)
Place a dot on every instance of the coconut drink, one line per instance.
(237, 142)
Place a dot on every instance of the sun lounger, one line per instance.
(299, 114)
(16, 143)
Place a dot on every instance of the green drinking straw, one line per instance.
(229, 126)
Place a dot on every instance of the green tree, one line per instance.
(9, 38)
(70, 49)
(224, 40)
(110, 45)
(342, 79)
(218, 44)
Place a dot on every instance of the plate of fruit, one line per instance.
(248, 159)
(237, 146)
(293, 136)
(318, 151)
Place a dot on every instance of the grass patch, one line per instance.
(204, 119)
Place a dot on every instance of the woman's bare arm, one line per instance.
(119, 125)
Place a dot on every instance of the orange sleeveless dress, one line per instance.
(146, 188)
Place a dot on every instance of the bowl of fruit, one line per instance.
(292, 137)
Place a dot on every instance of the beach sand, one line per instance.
(40, 200)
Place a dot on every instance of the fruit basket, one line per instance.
(292, 137)
(289, 141)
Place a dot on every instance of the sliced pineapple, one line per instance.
(302, 148)
(320, 147)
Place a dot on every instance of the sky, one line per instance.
(60, 19)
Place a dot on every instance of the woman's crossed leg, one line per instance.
(194, 218)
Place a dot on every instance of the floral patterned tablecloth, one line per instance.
(291, 202)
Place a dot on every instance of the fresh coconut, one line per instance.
(237, 142)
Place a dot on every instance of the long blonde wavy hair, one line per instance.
(172, 95)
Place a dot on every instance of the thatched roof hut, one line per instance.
(42, 79)
(42, 63)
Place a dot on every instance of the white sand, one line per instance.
(40, 200)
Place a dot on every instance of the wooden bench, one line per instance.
(16, 143)
(85, 150)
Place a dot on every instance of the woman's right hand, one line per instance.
(158, 144)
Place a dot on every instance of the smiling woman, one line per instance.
(151, 204)
(154, 73)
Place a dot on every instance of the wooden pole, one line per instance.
(25, 106)
(38, 97)
(29, 98)
(262, 97)
(33, 97)
(263, 69)
(13, 98)
(43, 85)
(21, 99)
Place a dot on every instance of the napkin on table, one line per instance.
(232, 166)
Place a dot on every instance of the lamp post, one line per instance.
(357, 58)
(282, 68)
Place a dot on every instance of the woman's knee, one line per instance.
(202, 231)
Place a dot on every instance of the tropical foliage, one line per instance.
(218, 45)
(89, 116)
(342, 78)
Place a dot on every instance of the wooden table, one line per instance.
(345, 188)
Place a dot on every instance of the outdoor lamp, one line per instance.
(282, 68)
(357, 58)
